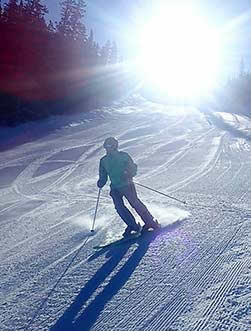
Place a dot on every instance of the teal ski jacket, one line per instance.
(119, 167)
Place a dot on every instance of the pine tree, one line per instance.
(97, 51)
(35, 13)
(11, 12)
(91, 50)
(242, 68)
(1, 11)
(51, 27)
(114, 53)
(105, 55)
(72, 14)
(90, 40)
(97, 47)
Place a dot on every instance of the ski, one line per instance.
(127, 239)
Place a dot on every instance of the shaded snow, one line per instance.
(193, 275)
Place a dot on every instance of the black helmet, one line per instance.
(111, 142)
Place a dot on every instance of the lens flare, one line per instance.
(179, 53)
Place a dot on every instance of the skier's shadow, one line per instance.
(69, 320)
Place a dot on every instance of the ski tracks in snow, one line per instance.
(171, 285)
(158, 282)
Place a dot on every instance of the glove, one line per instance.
(126, 175)
(99, 184)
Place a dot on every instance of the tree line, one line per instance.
(53, 67)
(234, 95)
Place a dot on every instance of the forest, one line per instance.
(54, 67)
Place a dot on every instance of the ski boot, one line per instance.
(131, 230)
(153, 225)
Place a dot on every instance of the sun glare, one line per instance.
(179, 53)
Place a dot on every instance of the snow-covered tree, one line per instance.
(71, 24)
(1, 11)
(114, 53)
(242, 68)
(51, 27)
(106, 53)
(35, 12)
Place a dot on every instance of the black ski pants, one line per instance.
(129, 192)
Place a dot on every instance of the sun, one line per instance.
(179, 53)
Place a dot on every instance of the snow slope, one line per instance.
(194, 275)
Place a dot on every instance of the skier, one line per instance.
(120, 168)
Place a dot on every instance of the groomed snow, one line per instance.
(193, 275)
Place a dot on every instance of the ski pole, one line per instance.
(96, 209)
(166, 195)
